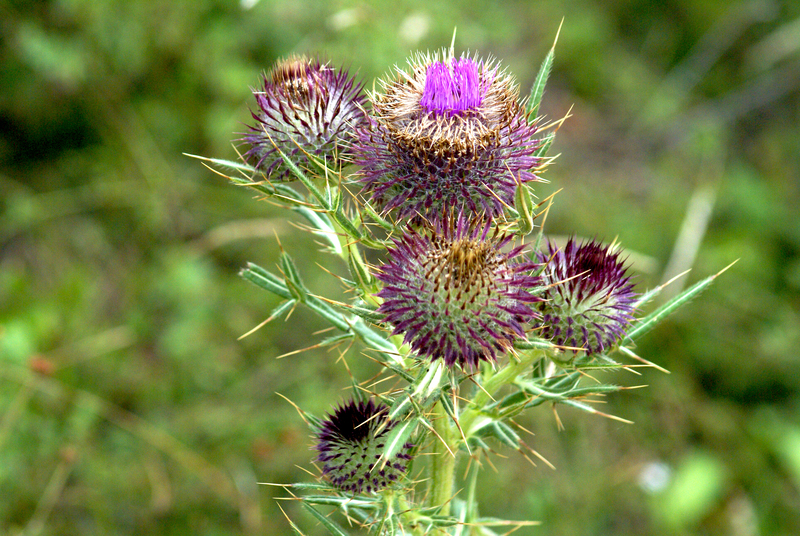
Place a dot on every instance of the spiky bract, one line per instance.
(453, 292)
(589, 299)
(446, 134)
(304, 107)
(350, 445)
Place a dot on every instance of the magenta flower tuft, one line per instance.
(351, 443)
(452, 89)
(304, 107)
(453, 292)
(447, 134)
(589, 301)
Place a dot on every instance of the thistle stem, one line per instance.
(443, 461)
(503, 377)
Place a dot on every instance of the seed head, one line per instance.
(446, 134)
(453, 292)
(589, 300)
(350, 445)
(304, 107)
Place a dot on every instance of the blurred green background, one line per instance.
(127, 404)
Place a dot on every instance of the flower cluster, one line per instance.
(443, 150)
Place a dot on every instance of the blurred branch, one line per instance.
(693, 229)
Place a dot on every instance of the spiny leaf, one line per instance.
(332, 500)
(398, 437)
(649, 322)
(323, 199)
(238, 166)
(534, 343)
(264, 279)
(332, 527)
(537, 91)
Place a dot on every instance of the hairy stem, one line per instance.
(443, 460)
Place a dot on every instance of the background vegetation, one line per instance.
(127, 404)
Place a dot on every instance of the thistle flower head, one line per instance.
(446, 134)
(350, 445)
(453, 292)
(589, 299)
(304, 107)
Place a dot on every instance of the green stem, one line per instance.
(492, 384)
(409, 515)
(443, 460)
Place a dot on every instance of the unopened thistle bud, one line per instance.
(447, 134)
(351, 443)
(453, 292)
(589, 300)
(304, 107)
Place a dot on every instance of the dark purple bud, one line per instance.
(351, 443)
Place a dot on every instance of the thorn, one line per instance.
(627, 351)
(296, 407)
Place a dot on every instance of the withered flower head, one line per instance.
(304, 107)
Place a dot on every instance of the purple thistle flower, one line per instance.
(304, 107)
(589, 299)
(351, 442)
(447, 134)
(455, 294)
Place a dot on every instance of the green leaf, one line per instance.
(402, 405)
(332, 527)
(544, 145)
(230, 164)
(505, 434)
(370, 211)
(323, 199)
(327, 312)
(534, 344)
(377, 342)
(650, 321)
(476, 443)
(307, 486)
(264, 279)
(340, 502)
(346, 225)
(367, 314)
(537, 91)
(336, 339)
(291, 274)
(282, 308)
(524, 206)
(398, 437)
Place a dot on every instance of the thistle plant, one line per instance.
(475, 313)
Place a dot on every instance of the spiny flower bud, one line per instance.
(304, 107)
(455, 294)
(447, 134)
(351, 443)
(589, 300)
